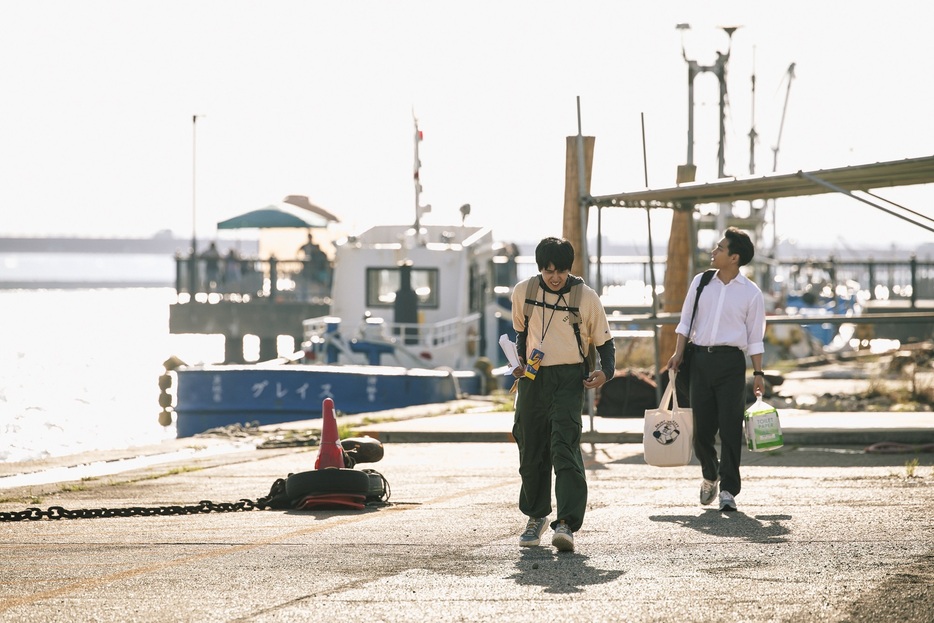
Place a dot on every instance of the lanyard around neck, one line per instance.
(550, 318)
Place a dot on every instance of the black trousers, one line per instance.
(718, 398)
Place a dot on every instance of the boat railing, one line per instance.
(434, 335)
(411, 344)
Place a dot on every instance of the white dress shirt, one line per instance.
(728, 314)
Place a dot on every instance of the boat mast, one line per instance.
(419, 208)
(753, 135)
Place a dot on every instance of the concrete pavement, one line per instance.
(824, 532)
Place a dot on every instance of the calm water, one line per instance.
(135, 267)
(79, 369)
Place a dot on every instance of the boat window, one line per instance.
(383, 283)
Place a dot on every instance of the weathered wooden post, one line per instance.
(575, 214)
(577, 173)
(678, 270)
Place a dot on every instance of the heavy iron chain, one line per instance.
(276, 499)
(58, 512)
(205, 506)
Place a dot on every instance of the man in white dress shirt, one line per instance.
(730, 325)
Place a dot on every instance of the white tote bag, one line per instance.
(668, 435)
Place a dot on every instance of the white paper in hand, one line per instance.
(512, 355)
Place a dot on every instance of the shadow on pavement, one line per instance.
(905, 596)
(559, 573)
(758, 529)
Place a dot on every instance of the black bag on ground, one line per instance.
(628, 394)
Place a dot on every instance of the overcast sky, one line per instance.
(317, 98)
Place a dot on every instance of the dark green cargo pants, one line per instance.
(547, 429)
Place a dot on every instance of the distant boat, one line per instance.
(415, 318)
(403, 332)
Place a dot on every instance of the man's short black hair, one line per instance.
(556, 251)
(740, 244)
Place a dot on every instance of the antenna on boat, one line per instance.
(419, 208)
(465, 210)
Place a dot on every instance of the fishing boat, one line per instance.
(415, 318)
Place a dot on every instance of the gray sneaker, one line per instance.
(563, 538)
(727, 503)
(708, 491)
(532, 535)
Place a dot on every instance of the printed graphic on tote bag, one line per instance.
(666, 432)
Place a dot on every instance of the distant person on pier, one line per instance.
(233, 272)
(211, 258)
(316, 265)
(730, 325)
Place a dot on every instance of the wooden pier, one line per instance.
(262, 317)
(266, 298)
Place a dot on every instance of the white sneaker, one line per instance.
(708, 491)
(532, 535)
(727, 503)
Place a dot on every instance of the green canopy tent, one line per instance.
(282, 215)
(311, 275)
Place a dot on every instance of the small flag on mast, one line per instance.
(419, 208)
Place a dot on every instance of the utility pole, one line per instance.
(194, 179)
(718, 68)
(193, 281)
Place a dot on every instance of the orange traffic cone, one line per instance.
(331, 453)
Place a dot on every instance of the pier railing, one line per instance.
(897, 296)
(910, 280)
(246, 279)
(907, 281)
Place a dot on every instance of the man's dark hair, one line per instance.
(556, 251)
(740, 244)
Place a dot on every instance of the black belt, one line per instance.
(716, 349)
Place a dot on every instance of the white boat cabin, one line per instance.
(415, 300)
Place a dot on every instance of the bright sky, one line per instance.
(317, 98)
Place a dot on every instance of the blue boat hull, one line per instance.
(217, 396)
